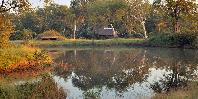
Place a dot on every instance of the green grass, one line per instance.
(88, 42)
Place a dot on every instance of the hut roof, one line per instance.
(107, 32)
(51, 34)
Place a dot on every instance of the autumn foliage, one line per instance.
(5, 29)
(21, 59)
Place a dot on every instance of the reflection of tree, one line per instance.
(165, 58)
(114, 69)
(120, 69)
(92, 94)
(62, 69)
(182, 65)
(171, 81)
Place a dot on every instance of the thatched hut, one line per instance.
(50, 35)
(107, 32)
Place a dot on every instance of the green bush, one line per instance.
(173, 39)
(25, 34)
(185, 39)
(160, 39)
(135, 35)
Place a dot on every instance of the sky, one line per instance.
(36, 3)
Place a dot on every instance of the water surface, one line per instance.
(124, 73)
(108, 73)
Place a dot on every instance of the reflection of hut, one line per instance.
(107, 32)
(50, 35)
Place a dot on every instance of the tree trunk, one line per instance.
(144, 28)
(176, 26)
(75, 29)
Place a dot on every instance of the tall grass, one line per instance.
(190, 92)
(46, 88)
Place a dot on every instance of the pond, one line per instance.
(127, 73)
(122, 73)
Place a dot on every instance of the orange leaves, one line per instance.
(23, 67)
(20, 66)
(23, 59)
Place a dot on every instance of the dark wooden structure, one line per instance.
(106, 33)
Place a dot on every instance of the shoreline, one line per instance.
(104, 43)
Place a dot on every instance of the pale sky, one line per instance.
(36, 3)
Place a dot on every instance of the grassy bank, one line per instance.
(44, 88)
(88, 42)
(157, 41)
(190, 92)
(22, 58)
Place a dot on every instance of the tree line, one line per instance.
(131, 18)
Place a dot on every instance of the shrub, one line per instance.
(161, 39)
(45, 88)
(185, 39)
(85, 32)
(135, 35)
(173, 39)
(17, 35)
(25, 34)
(4, 39)
(22, 57)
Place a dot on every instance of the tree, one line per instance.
(75, 7)
(5, 18)
(27, 20)
(104, 13)
(189, 23)
(175, 9)
(53, 16)
(5, 29)
(27, 34)
(56, 17)
(126, 16)
(136, 16)
(8, 5)
(79, 10)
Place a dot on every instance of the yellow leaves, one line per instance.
(5, 28)
(48, 2)
(22, 58)
(120, 13)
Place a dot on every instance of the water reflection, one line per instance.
(125, 73)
